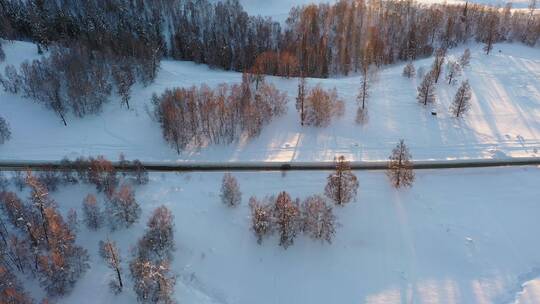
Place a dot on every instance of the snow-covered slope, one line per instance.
(457, 236)
(504, 119)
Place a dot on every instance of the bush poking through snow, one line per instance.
(230, 191)
(400, 169)
(342, 185)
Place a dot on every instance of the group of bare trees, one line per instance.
(314, 217)
(427, 89)
(153, 281)
(39, 242)
(203, 116)
(72, 80)
(317, 40)
(317, 107)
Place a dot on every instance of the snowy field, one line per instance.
(457, 236)
(504, 120)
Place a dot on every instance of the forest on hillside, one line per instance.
(316, 41)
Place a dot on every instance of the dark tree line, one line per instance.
(317, 41)
(202, 116)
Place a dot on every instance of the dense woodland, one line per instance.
(317, 40)
(200, 116)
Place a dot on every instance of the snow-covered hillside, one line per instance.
(457, 236)
(504, 119)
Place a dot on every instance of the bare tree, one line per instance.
(426, 90)
(465, 59)
(409, 71)
(140, 173)
(109, 253)
(462, 99)
(438, 63)
(491, 33)
(230, 191)
(12, 82)
(73, 220)
(319, 221)
(321, 106)
(301, 98)
(5, 132)
(124, 79)
(158, 241)
(342, 185)
(123, 210)
(400, 170)
(2, 54)
(261, 218)
(453, 70)
(92, 213)
(152, 281)
(367, 76)
(287, 216)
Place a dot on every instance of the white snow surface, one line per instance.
(504, 120)
(456, 236)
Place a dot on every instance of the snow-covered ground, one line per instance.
(504, 120)
(457, 236)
